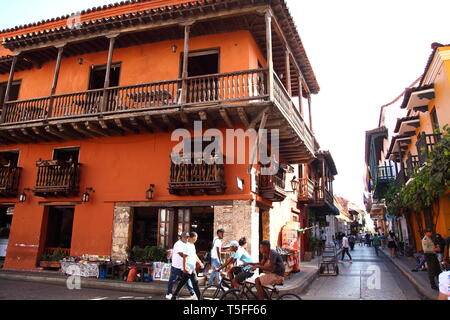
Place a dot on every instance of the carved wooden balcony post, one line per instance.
(8, 86)
(55, 81)
(112, 41)
(269, 44)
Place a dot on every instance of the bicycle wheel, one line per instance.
(212, 293)
(235, 294)
(251, 292)
(289, 296)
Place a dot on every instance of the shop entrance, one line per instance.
(58, 235)
(6, 215)
(145, 227)
(174, 221)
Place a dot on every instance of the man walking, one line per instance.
(376, 243)
(216, 260)
(190, 261)
(323, 238)
(177, 265)
(345, 248)
(429, 250)
(352, 241)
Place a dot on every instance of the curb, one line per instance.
(425, 292)
(154, 288)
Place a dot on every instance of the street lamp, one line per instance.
(294, 184)
(150, 192)
(23, 195)
(87, 195)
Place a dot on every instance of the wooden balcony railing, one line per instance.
(425, 144)
(322, 194)
(412, 162)
(384, 174)
(57, 178)
(203, 178)
(9, 181)
(402, 178)
(306, 190)
(272, 187)
(249, 85)
(286, 106)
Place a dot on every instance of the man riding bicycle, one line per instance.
(273, 269)
(238, 254)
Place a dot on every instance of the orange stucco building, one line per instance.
(89, 105)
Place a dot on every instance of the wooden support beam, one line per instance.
(288, 73)
(55, 82)
(112, 41)
(17, 136)
(57, 133)
(269, 50)
(125, 126)
(258, 118)
(95, 128)
(151, 124)
(79, 127)
(226, 118)
(140, 124)
(32, 136)
(187, 30)
(243, 116)
(204, 117)
(69, 131)
(8, 87)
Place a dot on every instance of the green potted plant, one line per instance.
(52, 260)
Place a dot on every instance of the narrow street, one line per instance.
(357, 281)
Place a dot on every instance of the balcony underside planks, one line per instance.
(292, 147)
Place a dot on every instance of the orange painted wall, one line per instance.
(140, 64)
(120, 169)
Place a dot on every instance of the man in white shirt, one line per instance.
(177, 265)
(216, 260)
(345, 248)
(189, 262)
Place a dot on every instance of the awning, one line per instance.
(398, 145)
(407, 124)
(418, 97)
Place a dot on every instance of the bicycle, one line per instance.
(214, 292)
(248, 292)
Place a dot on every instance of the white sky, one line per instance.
(364, 53)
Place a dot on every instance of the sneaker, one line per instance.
(169, 296)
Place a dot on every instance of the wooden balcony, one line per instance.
(306, 190)
(323, 196)
(272, 187)
(425, 144)
(9, 181)
(231, 99)
(57, 179)
(384, 175)
(194, 179)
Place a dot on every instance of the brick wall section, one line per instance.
(121, 233)
(239, 220)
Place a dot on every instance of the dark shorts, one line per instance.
(241, 277)
(392, 245)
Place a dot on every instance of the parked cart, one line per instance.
(328, 262)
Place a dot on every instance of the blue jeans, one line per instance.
(174, 275)
(215, 263)
(377, 248)
(420, 261)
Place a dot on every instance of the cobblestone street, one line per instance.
(357, 281)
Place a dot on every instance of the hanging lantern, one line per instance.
(150, 192)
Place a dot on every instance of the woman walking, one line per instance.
(392, 244)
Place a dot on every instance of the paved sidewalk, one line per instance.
(297, 283)
(419, 279)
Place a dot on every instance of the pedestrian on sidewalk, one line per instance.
(430, 250)
(339, 238)
(177, 265)
(376, 243)
(420, 259)
(216, 257)
(361, 240)
(190, 261)
(439, 242)
(368, 239)
(323, 238)
(392, 244)
(383, 240)
(345, 248)
(352, 241)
